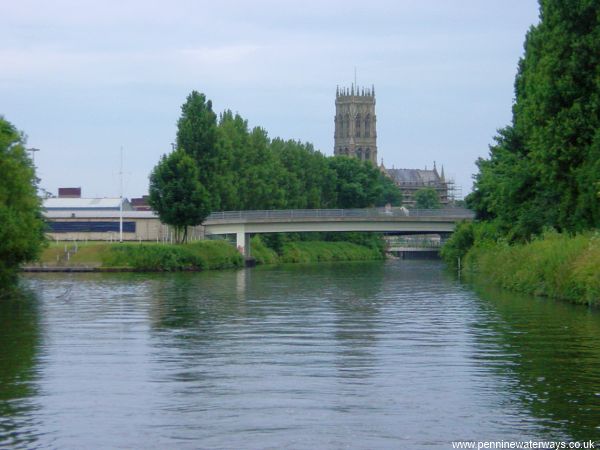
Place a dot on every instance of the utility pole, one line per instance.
(33, 150)
(121, 198)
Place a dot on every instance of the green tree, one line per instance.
(389, 192)
(261, 174)
(244, 169)
(176, 194)
(359, 184)
(197, 136)
(21, 223)
(543, 168)
(232, 138)
(309, 182)
(427, 198)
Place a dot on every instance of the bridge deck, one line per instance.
(386, 220)
(333, 215)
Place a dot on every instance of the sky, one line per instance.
(84, 78)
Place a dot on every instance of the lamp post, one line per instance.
(33, 150)
(121, 198)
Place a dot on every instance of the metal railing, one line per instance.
(450, 213)
(412, 242)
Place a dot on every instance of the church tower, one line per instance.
(355, 131)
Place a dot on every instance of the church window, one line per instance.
(368, 126)
(347, 125)
(357, 126)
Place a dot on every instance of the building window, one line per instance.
(347, 125)
(368, 126)
(357, 126)
(88, 227)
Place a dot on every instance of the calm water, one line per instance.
(357, 355)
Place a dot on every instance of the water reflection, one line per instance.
(19, 347)
(552, 349)
(361, 355)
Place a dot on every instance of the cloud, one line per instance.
(118, 70)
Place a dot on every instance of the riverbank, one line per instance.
(147, 256)
(314, 251)
(196, 256)
(554, 265)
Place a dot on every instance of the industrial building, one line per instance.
(72, 217)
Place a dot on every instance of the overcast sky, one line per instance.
(82, 79)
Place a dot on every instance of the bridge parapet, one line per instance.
(368, 213)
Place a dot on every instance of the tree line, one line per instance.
(543, 171)
(542, 174)
(221, 164)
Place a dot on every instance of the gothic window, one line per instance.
(368, 126)
(368, 154)
(347, 152)
(347, 125)
(357, 126)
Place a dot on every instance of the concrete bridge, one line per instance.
(380, 220)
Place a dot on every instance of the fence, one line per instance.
(450, 213)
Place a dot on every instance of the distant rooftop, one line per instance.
(415, 176)
(69, 192)
(85, 204)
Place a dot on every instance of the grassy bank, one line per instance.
(554, 265)
(201, 255)
(313, 251)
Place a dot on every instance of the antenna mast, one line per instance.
(121, 198)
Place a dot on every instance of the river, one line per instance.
(394, 354)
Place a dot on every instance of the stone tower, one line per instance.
(355, 131)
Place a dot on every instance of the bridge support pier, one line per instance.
(242, 242)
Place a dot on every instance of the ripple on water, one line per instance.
(362, 355)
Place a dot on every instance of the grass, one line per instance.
(554, 265)
(88, 254)
(200, 255)
(313, 251)
(147, 256)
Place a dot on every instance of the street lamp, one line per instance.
(33, 150)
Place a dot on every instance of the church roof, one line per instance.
(415, 176)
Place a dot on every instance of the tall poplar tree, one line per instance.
(197, 136)
(544, 167)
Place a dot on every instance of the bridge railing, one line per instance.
(451, 213)
(413, 242)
